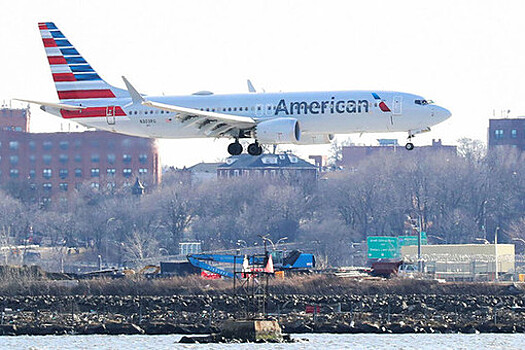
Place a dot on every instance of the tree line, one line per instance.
(458, 199)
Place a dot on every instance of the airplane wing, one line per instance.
(211, 123)
(54, 105)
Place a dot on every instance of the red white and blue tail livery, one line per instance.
(268, 118)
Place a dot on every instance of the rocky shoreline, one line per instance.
(203, 314)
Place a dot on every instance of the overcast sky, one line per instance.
(467, 56)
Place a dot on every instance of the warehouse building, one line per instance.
(471, 262)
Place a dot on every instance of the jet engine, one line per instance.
(278, 130)
(315, 139)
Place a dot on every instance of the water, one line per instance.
(319, 341)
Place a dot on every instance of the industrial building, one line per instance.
(57, 163)
(352, 155)
(473, 262)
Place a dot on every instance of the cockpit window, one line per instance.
(423, 102)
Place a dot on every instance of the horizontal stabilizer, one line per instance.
(54, 105)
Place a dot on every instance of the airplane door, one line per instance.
(110, 115)
(397, 107)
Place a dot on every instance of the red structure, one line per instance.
(54, 163)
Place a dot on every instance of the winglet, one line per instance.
(250, 86)
(135, 96)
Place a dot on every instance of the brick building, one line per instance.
(53, 163)
(509, 132)
(286, 166)
(16, 119)
(353, 155)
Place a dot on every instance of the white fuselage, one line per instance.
(330, 112)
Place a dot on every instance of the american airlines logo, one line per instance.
(316, 107)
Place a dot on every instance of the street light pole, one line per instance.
(419, 265)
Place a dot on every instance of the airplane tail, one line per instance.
(74, 78)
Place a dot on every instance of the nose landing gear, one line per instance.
(409, 146)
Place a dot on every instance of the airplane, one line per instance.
(301, 118)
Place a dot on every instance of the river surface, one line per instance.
(315, 341)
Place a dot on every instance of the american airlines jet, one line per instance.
(300, 118)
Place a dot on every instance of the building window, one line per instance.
(111, 171)
(32, 145)
(47, 173)
(126, 158)
(13, 160)
(32, 173)
(498, 134)
(78, 158)
(78, 143)
(143, 158)
(63, 186)
(63, 158)
(143, 171)
(32, 158)
(47, 187)
(95, 185)
(95, 158)
(514, 133)
(63, 145)
(47, 158)
(95, 172)
(126, 172)
(13, 145)
(13, 173)
(111, 158)
(63, 173)
(78, 172)
(47, 145)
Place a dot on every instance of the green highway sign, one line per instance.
(387, 247)
(380, 247)
(412, 240)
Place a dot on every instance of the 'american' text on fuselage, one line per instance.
(316, 107)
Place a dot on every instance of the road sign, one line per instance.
(380, 247)
(412, 240)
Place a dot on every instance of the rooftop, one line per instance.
(283, 160)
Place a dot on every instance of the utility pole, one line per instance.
(496, 254)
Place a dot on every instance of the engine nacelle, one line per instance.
(315, 139)
(278, 130)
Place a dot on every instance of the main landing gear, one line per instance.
(235, 148)
(255, 149)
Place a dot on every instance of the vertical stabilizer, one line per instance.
(74, 78)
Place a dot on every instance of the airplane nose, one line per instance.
(441, 113)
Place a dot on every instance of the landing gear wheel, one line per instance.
(254, 149)
(235, 148)
(409, 146)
